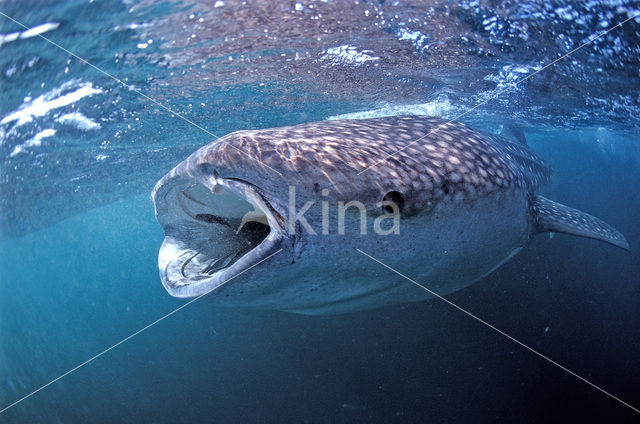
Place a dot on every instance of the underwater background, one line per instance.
(80, 153)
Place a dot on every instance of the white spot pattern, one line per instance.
(449, 162)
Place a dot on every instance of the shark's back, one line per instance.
(534, 170)
(427, 159)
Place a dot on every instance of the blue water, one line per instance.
(78, 239)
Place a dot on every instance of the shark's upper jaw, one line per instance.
(214, 231)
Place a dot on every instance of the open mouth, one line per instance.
(213, 232)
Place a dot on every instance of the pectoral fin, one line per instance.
(552, 216)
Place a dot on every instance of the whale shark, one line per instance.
(272, 218)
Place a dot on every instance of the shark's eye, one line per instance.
(392, 197)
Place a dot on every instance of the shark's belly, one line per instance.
(453, 246)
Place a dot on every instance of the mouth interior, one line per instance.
(209, 231)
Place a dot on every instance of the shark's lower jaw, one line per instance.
(214, 231)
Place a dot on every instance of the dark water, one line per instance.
(80, 154)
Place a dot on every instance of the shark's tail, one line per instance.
(552, 216)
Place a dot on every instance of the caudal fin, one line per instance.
(553, 216)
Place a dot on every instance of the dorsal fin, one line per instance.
(553, 216)
(513, 132)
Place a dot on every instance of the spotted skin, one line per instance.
(553, 216)
(450, 162)
(429, 160)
